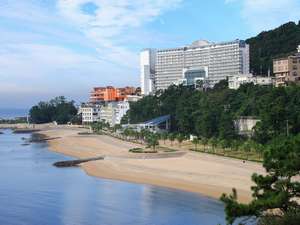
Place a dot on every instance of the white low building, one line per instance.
(109, 112)
(133, 98)
(234, 82)
(90, 113)
(120, 111)
(113, 112)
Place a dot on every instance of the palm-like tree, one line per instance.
(247, 146)
(180, 138)
(127, 133)
(213, 142)
(172, 137)
(204, 141)
(196, 141)
(164, 136)
(152, 140)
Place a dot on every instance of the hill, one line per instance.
(211, 114)
(272, 44)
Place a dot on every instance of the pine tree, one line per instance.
(277, 190)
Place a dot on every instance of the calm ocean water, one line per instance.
(12, 113)
(33, 192)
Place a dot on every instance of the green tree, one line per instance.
(247, 147)
(77, 119)
(180, 138)
(57, 109)
(195, 141)
(223, 143)
(144, 134)
(204, 142)
(226, 126)
(214, 142)
(235, 144)
(164, 136)
(278, 190)
(172, 137)
(98, 127)
(117, 127)
(212, 114)
(127, 133)
(152, 140)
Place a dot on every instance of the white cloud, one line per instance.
(49, 47)
(112, 21)
(32, 59)
(31, 70)
(267, 14)
(38, 62)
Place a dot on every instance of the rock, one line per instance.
(25, 144)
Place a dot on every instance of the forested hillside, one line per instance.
(272, 44)
(211, 114)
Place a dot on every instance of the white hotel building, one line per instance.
(234, 82)
(211, 62)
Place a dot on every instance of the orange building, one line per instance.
(109, 93)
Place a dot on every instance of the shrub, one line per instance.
(136, 150)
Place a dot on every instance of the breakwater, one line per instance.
(72, 163)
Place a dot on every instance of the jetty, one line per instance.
(25, 131)
(40, 138)
(73, 163)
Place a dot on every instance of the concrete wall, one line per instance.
(245, 125)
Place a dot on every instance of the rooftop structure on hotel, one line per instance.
(213, 62)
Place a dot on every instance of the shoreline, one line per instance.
(200, 173)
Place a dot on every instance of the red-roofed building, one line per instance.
(109, 93)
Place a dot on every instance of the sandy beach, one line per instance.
(195, 172)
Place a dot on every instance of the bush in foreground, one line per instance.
(276, 194)
(290, 218)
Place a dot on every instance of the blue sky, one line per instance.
(65, 47)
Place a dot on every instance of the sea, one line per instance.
(11, 113)
(34, 192)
